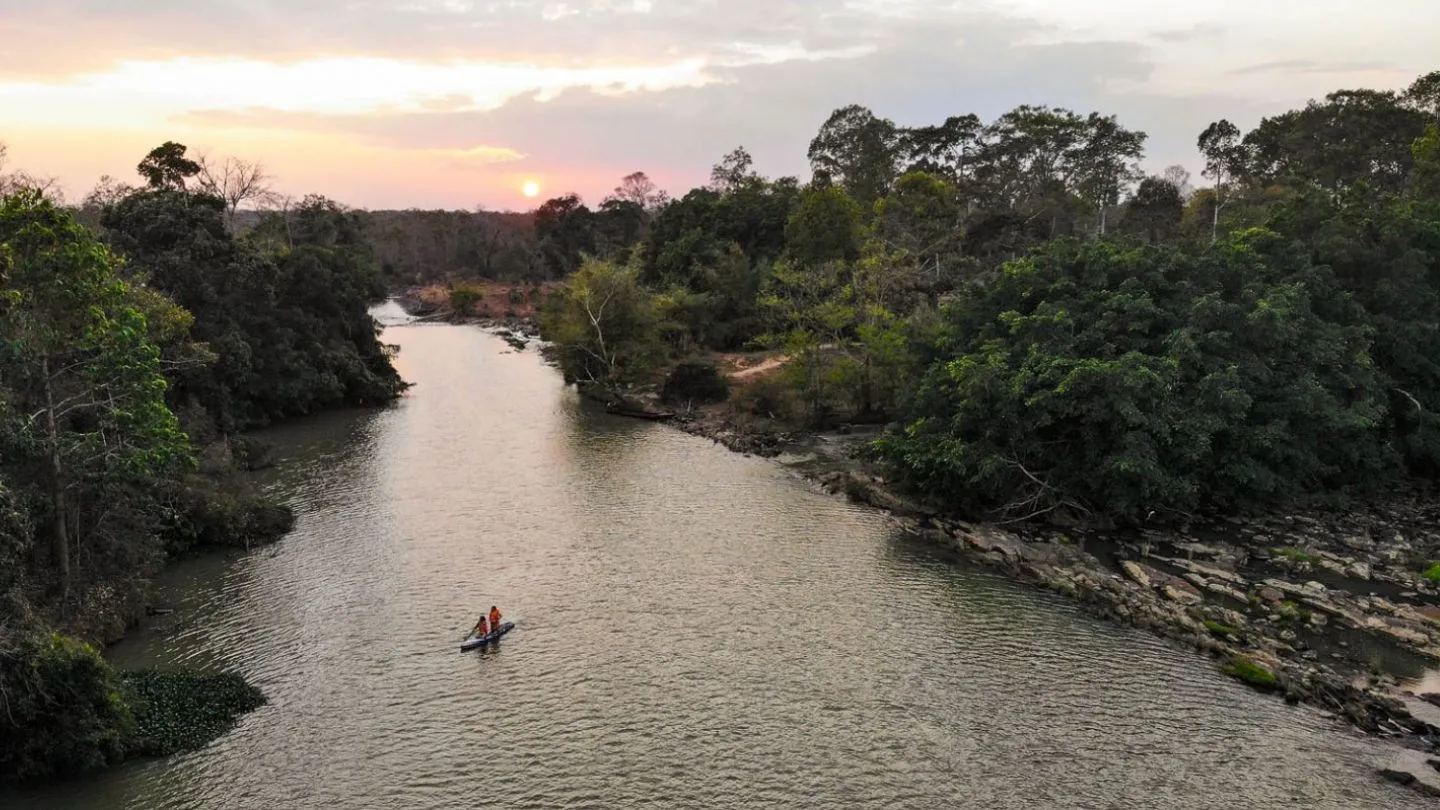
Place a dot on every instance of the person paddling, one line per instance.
(481, 629)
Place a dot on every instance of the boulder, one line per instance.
(1139, 573)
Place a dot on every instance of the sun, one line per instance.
(530, 189)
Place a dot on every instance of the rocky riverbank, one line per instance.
(1326, 609)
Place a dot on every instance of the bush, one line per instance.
(182, 711)
(695, 381)
(764, 396)
(464, 297)
(61, 709)
(1432, 573)
(515, 297)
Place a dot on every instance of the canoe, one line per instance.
(494, 635)
(638, 413)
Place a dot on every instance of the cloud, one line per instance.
(1191, 33)
(1309, 66)
(580, 92)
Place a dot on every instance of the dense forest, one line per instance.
(1041, 324)
(133, 352)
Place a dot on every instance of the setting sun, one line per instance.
(530, 189)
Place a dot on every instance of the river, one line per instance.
(695, 629)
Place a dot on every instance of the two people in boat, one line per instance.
(487, 623)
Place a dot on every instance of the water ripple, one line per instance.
(695, 630)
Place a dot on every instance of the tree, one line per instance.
(920, 220)
(859, 151)
(637, 188)
(565, 229)
(167, 168)
(947, 150)
(1352, 137)
(82, 367)
(604, 327)
(1106, 162)
(1155, 211)
(1179, 177)
(1224, 162)
(236, 181)
(1426, 180)
(1424, 96)
(733, 171)
(825, 227)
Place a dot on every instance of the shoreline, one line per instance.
(1201, 589)
(1246, 593)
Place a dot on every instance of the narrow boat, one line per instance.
(620, 409)
(480, 641)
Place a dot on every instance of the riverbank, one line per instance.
(1320, 608)
(1323, 609)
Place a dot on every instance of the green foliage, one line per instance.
(182, 711)
(1432, 573)
(1296, 555)
(61, 709)
(290, 330)
(464, 297)
(1219, 629)
(1426, 152)
(604, 327)
(1143, 379)
(1243, 669)
(825, 227)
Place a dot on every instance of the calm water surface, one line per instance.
(696, 629)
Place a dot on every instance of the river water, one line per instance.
(695, 629)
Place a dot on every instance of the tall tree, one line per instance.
(236, 181)
(565, 228)
(1106, 162)
(859, 151)
(79, 360)
(1224, 154)
(166, 168)
(733, 171)
(639, 189)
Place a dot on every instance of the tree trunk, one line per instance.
(60, 536)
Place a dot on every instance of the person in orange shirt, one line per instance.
(494, 618)
(481, 629)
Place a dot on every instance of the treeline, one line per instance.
(132, 355)
(1043, 325)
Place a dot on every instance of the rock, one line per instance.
(1199, 549)
(1399, 777)
(1139, 573)
(1358, 542)
(1271, 595)
(1358, 570)
(1182, 592)
(1313, 587)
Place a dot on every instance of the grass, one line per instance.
(1243, 669)
(1296, 554)
(1432, 573)
(1219, 629)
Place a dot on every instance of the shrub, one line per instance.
(764, 396)
(1432, 573)
(464, 297)
(63, 713)
(695, 381)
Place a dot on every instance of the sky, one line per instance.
(460, 103)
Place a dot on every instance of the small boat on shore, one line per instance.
(480, 641)
(621, 409)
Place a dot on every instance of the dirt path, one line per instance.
(759, 368)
